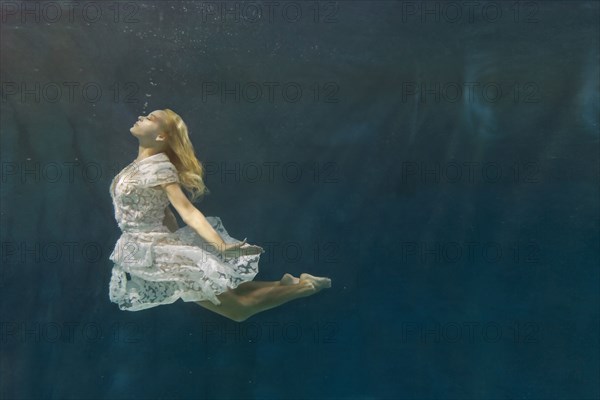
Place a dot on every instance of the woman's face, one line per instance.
(149, 127)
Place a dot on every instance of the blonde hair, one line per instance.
(182, 155)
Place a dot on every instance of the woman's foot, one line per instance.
(317, 281)
(289, 279)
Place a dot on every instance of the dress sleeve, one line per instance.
(154, 174)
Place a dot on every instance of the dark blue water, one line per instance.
(459, 223)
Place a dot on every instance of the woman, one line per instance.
(156, 262)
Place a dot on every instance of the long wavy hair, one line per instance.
(182, 155)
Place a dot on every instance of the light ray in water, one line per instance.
(479, 112)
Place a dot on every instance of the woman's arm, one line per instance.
(196, 220)
(192, 216)
(170, 221)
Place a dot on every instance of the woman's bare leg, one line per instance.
(262, 296)
(250, 286)
(233, 302)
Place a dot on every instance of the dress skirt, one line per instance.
(160, 267)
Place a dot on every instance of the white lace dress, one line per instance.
(153, 266)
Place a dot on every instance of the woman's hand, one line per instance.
(240, 249)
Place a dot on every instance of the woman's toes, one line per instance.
(289, 279)
(319, 282)
(307, 283)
